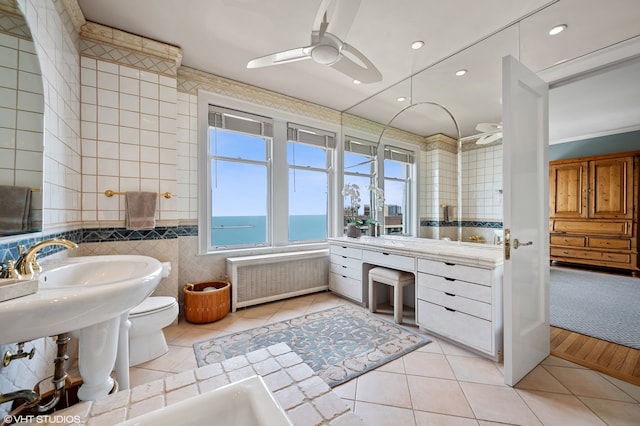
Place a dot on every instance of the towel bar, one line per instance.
(111, 193)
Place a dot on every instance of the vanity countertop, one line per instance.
(472, 254)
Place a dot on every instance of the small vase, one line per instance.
(353, 231)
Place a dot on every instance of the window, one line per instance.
(267, 181)
(239, 161)
(398, 164)
(309, 160)
(359, 169)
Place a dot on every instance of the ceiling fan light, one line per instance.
(461, 72)
(401, 99)
(557, 29)
(325, 54)
(417, 44)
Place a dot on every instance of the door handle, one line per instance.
(516, 244)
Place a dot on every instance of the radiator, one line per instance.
(269, 277)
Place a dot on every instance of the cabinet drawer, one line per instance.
(610, 243)
(354, 271)
(394, 261)
(481, 293)
(455, 302)
(455, 325)
(458, 272)
(591, 255)
(559, 240)
(349, 262)
(355, 253)
(619, 227)
(346, 286)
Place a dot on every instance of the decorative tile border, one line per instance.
(464, 224)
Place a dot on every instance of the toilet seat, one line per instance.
(152, 304)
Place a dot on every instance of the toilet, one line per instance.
(146, 339)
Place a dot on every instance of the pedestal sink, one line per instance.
(88, 296)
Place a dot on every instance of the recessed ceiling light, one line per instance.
(461, 72)
(557, 29)
(417, 44)
(401, 99)
(356, 81)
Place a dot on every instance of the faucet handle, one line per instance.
(9, 271)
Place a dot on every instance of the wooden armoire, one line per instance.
(593, 213)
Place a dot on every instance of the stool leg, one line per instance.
(397, 303)
(372, 295)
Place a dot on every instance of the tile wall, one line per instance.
(128, 139)
(482, 182)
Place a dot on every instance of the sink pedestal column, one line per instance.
(97, 346)
(122, 358)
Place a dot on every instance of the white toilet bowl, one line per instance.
(146, 339)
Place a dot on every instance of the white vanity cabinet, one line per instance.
(462, 303)
(345, 271)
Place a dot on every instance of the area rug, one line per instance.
(338, 343)
(599, 305)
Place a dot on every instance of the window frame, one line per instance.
(278, 199)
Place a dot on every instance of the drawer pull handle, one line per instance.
(449, 264)
(449, 309)
(344, 267)
(344, 257)
(449, 294)
(344, 276)
(385, 254)
(449, 279)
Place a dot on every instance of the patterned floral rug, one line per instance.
(338, 344)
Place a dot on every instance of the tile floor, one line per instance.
(438, 384)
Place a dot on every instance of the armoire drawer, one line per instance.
(466, 289)
(561, 240)
(454, 271)
(618, 227)
(463, 328)
(610, 243)
(591, 255)
(455, 302)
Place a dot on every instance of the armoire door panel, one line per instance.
(611, 188)
(567, 192)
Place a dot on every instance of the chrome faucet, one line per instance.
(27, 265)
(31, 397)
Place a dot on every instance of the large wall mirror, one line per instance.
(21, 125)
(461, 185)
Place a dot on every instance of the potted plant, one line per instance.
(351, 211)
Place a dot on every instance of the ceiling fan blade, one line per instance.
(292, 55)
(365, 74)
(488, 127)
(487, 139)
(338, 14)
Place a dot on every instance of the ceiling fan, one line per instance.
(489, 132)
(326, 47)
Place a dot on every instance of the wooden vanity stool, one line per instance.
(397, 279)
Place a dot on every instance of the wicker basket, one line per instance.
(201, 306)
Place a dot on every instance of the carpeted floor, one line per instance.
(338, 344)
(599, 305)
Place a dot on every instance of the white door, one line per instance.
(526, 218)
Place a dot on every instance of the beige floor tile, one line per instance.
(139, 376)
(555, 409)
(195, 335)
(433, 419)
(539, 379)
(438, 396)
(427, 364)
(432, 347)
(559, 362)
(588, 383)
(473, 369)
(451, 349)
(395, 366)
(498, 404)
(383, 415)
(169, 361)
(632, 390)
(346, 390)
(614, 412)
(380, 387)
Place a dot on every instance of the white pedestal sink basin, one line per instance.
(87, 295)
(247, 402)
